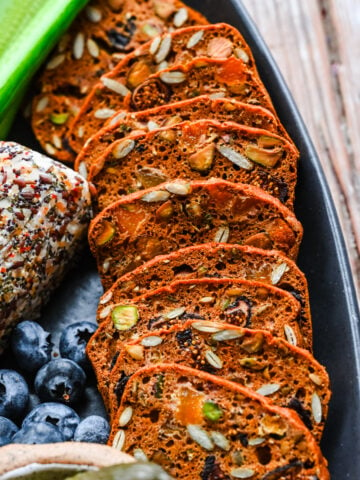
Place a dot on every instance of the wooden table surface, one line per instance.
(316, 44)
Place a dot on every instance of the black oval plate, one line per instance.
(322, 257)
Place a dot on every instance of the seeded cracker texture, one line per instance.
(195, 151)
(125, 123)
(239, 302)
(153, 222)
(45, 209)
(129, 84)
(197, 425)
(214, 260)
(99, 38)
(287, 375)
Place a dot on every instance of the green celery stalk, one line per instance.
(29, 30)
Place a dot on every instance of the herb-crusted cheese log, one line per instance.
(250, 304)
(156, 221)
(218, 261)
(180, 47)
(45, 208)
(287, 375)
(196, 151)
(125, 123)
(95, 43)
(200, 426)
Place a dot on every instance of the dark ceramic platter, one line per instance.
(322, 257)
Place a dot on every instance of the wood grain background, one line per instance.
(316, 44)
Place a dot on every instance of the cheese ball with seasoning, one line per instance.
(45, 209)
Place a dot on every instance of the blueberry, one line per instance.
(73, 342)
(31, 345)
(7, 431)
(14, 394)
(93, 429)
(57, 414)
(60, 380)
(38, 433)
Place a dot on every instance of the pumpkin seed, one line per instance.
(125, 416)
(180, 17)
(200, 436)
(173, 78)
(158, 196)
(195, 39)
(164, 49)
(235, 157)
(124, 317)
(123, 148)
(115, 86)
(213, 359)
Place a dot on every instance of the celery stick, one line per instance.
(29, 30)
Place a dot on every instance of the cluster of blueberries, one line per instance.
(59, 384)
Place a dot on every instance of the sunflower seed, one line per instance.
(268, 389)
(50, 149)
(290, 335)
(177, 312)
(140, 455)
(195, 39)
(106, 264)
(241, 54)
(200, 436)
(78, 47)
(235, 157)
(83, 170)
(242, 472)
(222, 235)
(220, 440)
(162, 66)
(151, 341)
(159, 196)
(180, 17)
(56, 140)
(93, 14)
(123, 148)
(119, 440)
(173, 77)
(316, 407)
(207, 327)
(54, 62)
(125, 416)
(256, 441)
(106, 298)
(315, 379)
(104, 113)
(152, 125)
(178, 188)
(213, 359)
(207, 300)
(224, 335)
(154, 45)
(164, 49)
(81, 132)
(216, 95)
(42, 104)
(92, 47)
(278, 272)
(115, 86)
(105, 312)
